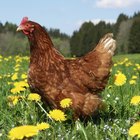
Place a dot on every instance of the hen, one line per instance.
(55, 78)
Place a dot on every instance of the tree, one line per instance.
(88, 36)
(10, 27)
(123, 36)
(134, 38)
(74, 44)
(1, 27)
(136, 15)
(62, 45)
(83, 40)
(12, 43)
(122, 17)
(101, 29)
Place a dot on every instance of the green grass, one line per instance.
(135, 57)
(112, 123)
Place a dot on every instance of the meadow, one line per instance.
(24, 116)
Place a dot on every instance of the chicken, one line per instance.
(55, 78)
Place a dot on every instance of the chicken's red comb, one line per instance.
(24, 20)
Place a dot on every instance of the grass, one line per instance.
(132, 57)
(112, 123)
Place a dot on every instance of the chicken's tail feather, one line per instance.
(107, 43)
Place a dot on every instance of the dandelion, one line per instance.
(126, 59)
(23, 76)
(135, 100)
(43, 126)
(6, 59)
(120, 79)
(57, 115)
(16, 69)
(134, 77)
(66, 103)
(135, 130)
(128, 64)
(26, 58)
(132, 82)
(18, 59)
(21, 84)
(17, 65)
(14, 77)
(34, 97)
(13, 100)
(21, 132)
(138, 66)
(17, 89)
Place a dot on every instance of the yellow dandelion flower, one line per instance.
(6, 59)
(21, 132)
(57, 115)
(8, 75)
(17, 65)
(120, 79)
(43, 126)
(126, 59)
(26, 58)
(16, 69)
(128, 64)
(135, 130)
(14, 77)
(134, 77)
(34, 97)
(13, 100)
(21, 84)
(66, 103)
(24, 76)
(138, 67)
(17, 89)
(18, 59)
(132, 82)
(135, 100)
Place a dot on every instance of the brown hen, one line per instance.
(55, 78)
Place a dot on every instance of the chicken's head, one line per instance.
(26, 26)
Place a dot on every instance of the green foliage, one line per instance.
(111, 123)
(62, 45)
(125, 31)
(83, 41)
(13, 43)
(134, 38)
(123, 36)
(55, 33)
(122, 17)
(87, 37)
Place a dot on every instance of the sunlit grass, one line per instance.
(118, 114)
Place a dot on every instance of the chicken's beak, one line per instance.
(19, 28)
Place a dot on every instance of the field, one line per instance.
(19, 107)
